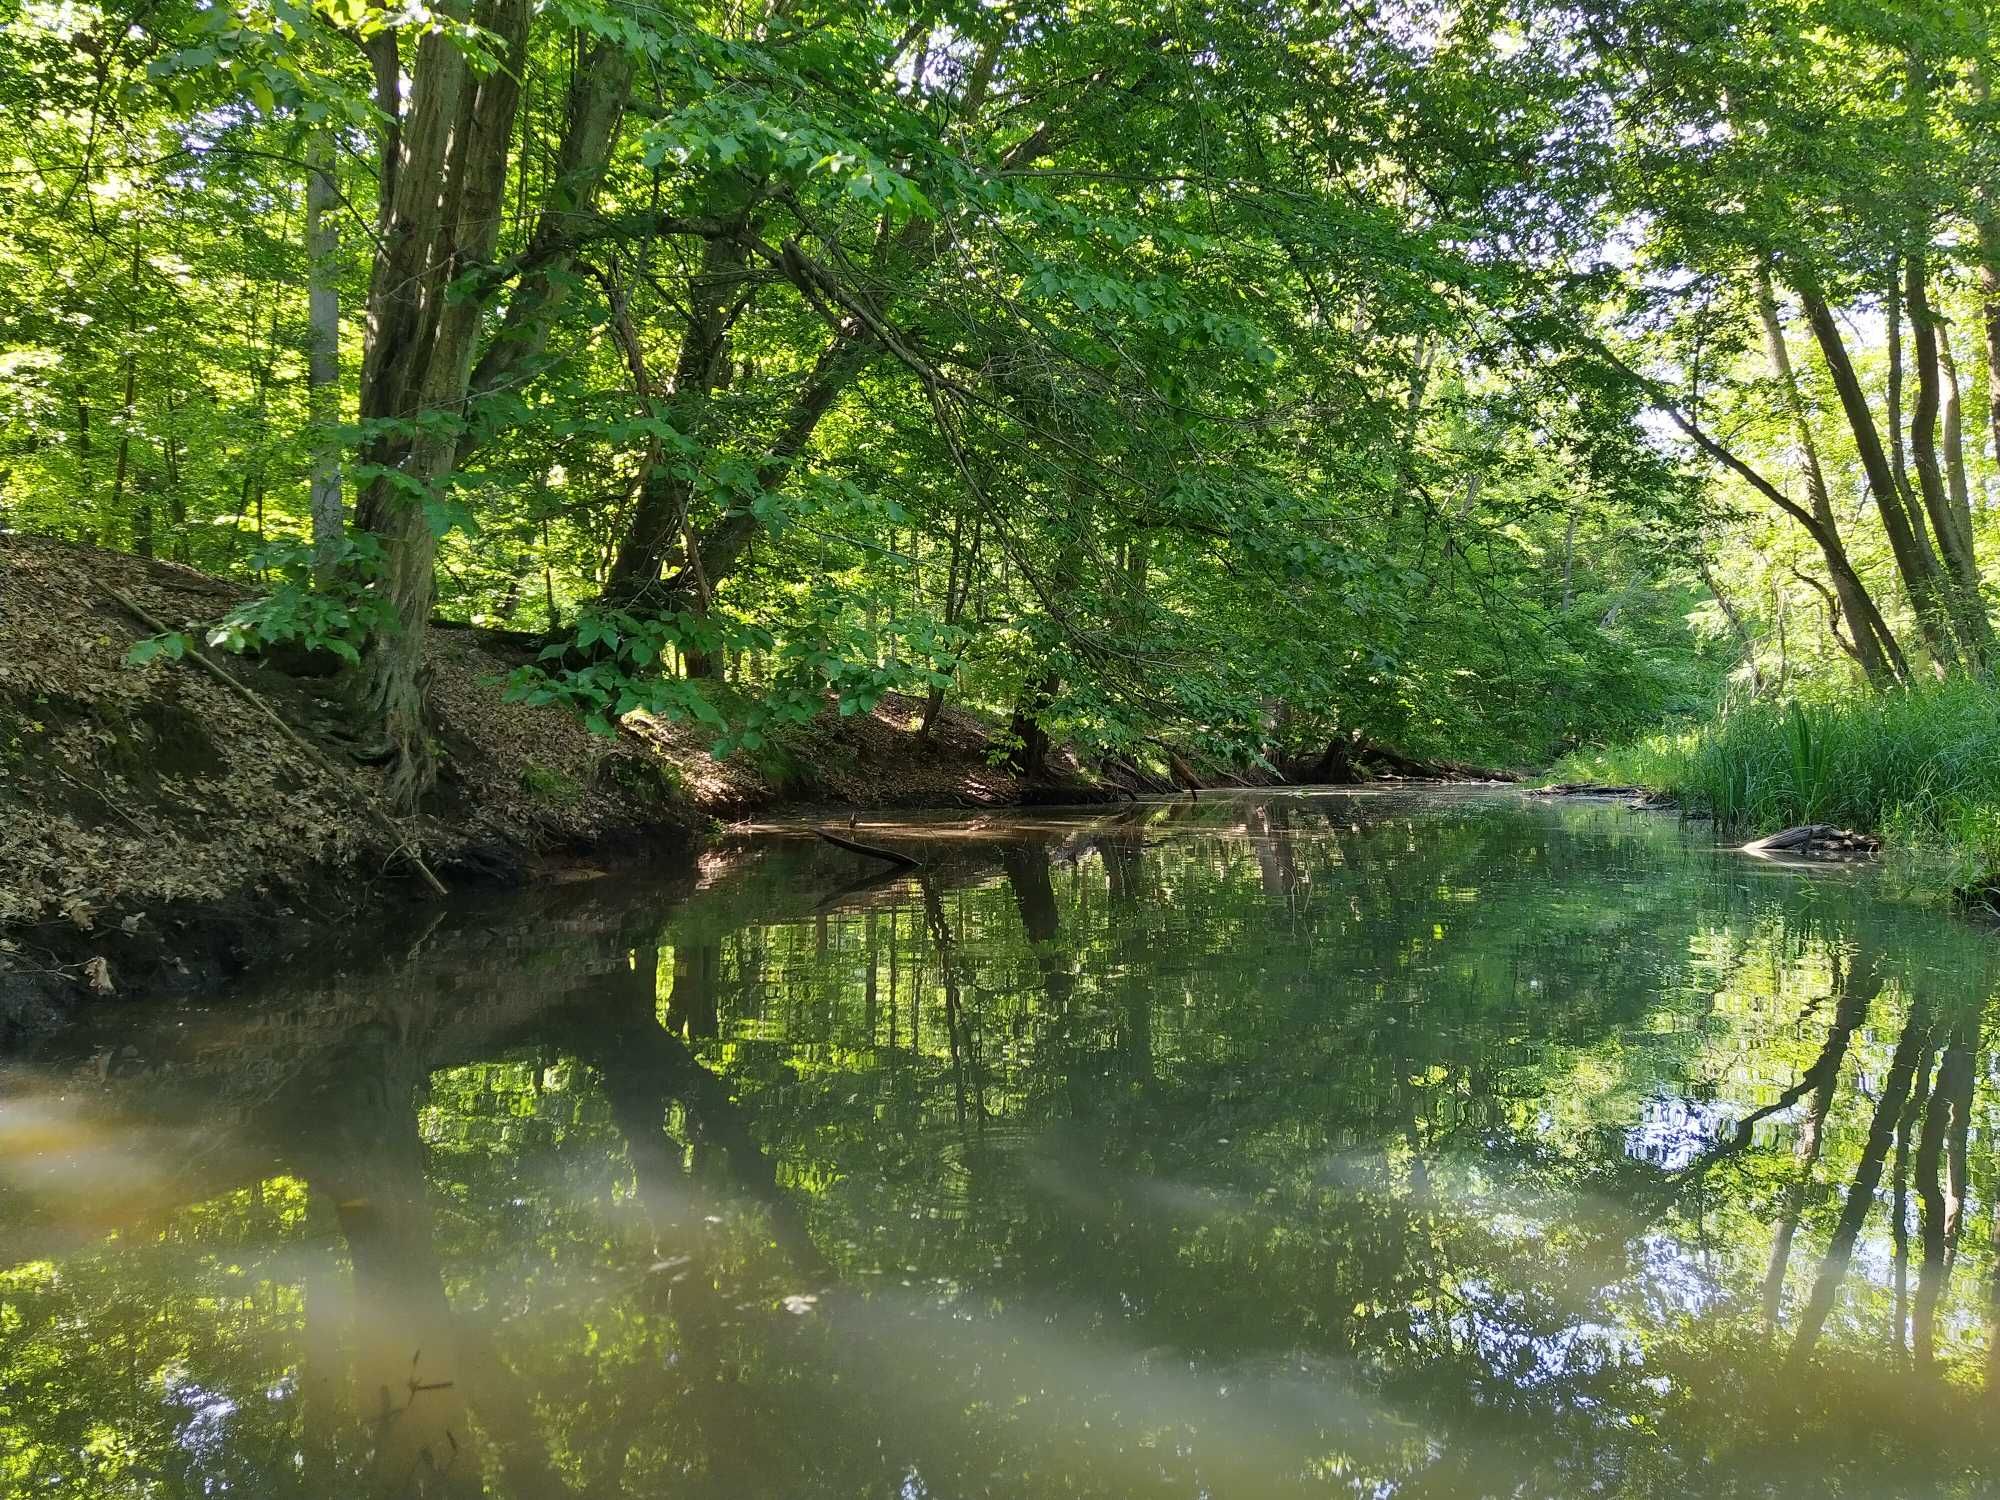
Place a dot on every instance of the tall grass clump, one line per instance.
(1920, 766)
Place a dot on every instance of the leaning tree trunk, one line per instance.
(1950, 523)
(1956, 482)
(600, 86)
(1892, 394)
(1875, 647)
(1915, 562)
(1952, 527)
(1986, 220)
(660, 525)
(659, 530)
(442, 222)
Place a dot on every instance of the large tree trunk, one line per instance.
(599, 88)
(323, 358)
(1875, 647)
(1915, 562)
(1030, 754)
(444, 168)
(443, 221)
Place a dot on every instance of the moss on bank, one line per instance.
(1920, 767)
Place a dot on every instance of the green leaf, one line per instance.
(172, 646)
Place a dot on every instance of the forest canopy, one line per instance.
(1486, 379)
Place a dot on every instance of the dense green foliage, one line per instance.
(1225, 380)
(1072, 362)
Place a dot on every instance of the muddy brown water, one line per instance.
(1309, 1143)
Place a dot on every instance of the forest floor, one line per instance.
(158, 829)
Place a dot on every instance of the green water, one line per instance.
(1411, 1144)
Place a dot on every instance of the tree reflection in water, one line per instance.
(1443, 1144)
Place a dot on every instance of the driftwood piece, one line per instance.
(256, 700)
(1588, 789)
(855, 846)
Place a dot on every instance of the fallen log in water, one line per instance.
(1588, 789)
(1818, 840)
(855, 846)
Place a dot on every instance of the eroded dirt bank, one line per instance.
(158, 830)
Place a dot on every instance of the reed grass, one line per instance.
(1920, 767)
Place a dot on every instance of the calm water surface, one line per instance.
(1409, 1144)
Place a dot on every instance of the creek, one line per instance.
(1374, 1142)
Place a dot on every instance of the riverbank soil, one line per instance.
(158, 827)
(156, 824)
